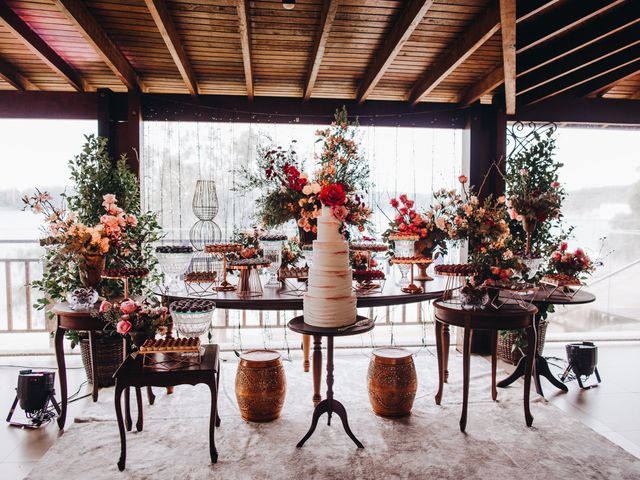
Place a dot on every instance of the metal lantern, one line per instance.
(205, 207)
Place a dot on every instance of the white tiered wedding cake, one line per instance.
(330, 301)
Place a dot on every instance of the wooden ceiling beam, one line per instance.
(594, 78)
(40, 48)
(81, 17)
(329, 10)
(486, 85)
(245, 41)
(480, 30)
(583, 58)
(562, 19)
(531, 8)
(409, 19)
(166, 26)
(13, 77)
(508, 30)
(614, 21)
(600, 86)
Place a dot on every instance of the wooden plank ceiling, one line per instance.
(451, 51)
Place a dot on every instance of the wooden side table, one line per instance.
(329, 405)
(132, 373)
(509, 317)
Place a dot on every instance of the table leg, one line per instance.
(139, 423)
(531, 338)
(466, 359)
(517, 373)
(213, 420)
(542, 368)
(128, 422)
(94, 365)
(329, 379)
(62, 375)
(150, 396)
(494, 363)
(446, 340)
(440, 361)
(317, 368)
(306, 351)
(217, 390)
(123, 437)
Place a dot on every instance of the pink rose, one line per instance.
(463, 179)
(123, 327)
(340, 212)
(556, 256)
(579, 252)
(105, 306)
(513, 214)
(128, 306)
(563, 246)
(555, 184)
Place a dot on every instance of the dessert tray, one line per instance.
(368, 247)
(369, 281)
(246, 263)
(200, 284)
(222, 247)
(560, 284)
(170, 353)
(509, 292)
(404, 236)
(294, 280)
(174, 249)
(249, 284)
(273, 237)
(412, 287)
(124, 274)
(457, 270)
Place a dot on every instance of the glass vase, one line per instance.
(404, 249)
(272, 252)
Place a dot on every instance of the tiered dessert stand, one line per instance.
(249, 284)
(223, 249)
(455, 275)
(369, 280)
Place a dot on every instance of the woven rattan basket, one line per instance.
(506, 341)
(108, 358)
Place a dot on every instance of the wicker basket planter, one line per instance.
(109, 353)
(506, 341)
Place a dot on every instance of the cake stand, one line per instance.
(173, 265)
(411, 261)
(249, 284)
(223, 249)
(455, 281)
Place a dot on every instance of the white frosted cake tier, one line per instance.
(330, 301)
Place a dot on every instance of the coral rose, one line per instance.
(128, 306)
(105, 306)
(340, 212)
(123, 327)
(463, 179)
(333, 195)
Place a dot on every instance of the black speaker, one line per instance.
(583, 361)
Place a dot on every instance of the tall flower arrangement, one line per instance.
(288, 193)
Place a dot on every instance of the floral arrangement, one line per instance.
(291, 253)
(288, 193)
(250, 241)
(535, 197)
(463, 216)
(575, 264)
(408, 220)
(130, 318)
(497, 264)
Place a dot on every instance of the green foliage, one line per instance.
(94, 175)
(538, 160)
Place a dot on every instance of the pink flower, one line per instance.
(556, 256)
(105, 306)
(123, 327)
(403, 198)
(340, 212)
(463, 179)
(128, 306)
(579, 252)
(404, 210)
(394, 203)
(563, 246)
(524, 172)
(555, 184)
(109, 199)
(513, 214)
(409, 203)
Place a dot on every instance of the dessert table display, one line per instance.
(542, 298)
(329, 405)
(509, 317)
(133, 373)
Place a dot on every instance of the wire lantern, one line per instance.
(205, 200)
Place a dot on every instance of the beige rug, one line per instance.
(427, 444)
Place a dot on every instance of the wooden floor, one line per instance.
(610, 409)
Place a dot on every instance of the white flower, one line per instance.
(307, 190)
(304, 175)
(316, 188)
(283, 189)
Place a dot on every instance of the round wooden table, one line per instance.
(508, 317)
(282, 298)
(542, 298)
(329, 405)
(84, 321)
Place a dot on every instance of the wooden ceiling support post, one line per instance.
(508, 28)
(484, 143)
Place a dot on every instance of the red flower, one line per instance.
(404, 210)
(403, 198)
(333, 195)
(394, 203)
(563, 246)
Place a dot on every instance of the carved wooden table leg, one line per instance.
(139, 423)
(94, 365)
(446, 340)
(62, 375)
(440, 361)
(123, 436)
(213, 421)
(306, 351)
(494, 364)
(317, 368)
(531, 355)
(466, 360)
